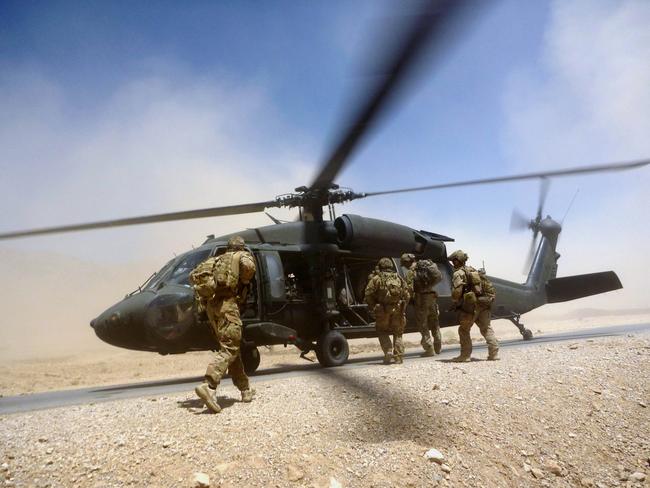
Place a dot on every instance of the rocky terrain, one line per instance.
(566, 414)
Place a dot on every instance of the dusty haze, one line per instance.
(49, 299)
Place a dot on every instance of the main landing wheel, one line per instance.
(332, 349)
(527, 334)
(250, 356)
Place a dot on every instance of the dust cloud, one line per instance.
(48, 301)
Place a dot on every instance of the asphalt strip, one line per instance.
(84, 396)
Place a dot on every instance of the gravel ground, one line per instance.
(572, 414)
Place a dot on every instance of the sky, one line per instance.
(117, 109)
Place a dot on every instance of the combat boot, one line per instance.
(428, 353)
(493, 355)
(461, 359)
(209, 397)
(388, 358)
(399, 360)
(437, 347)
(247, 395)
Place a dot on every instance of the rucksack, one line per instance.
(487, 289)
(202, 279)
(474, 281)
(426, 274)
(392, 288)
(217, 276)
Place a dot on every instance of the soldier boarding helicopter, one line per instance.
(312, 272)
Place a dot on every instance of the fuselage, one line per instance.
(302, 270)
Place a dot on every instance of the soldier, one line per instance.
(421, 277)
(387, 296)
(221, 284)
(473, 295)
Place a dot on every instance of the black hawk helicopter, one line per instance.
(312, 272)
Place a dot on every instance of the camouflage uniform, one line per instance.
(426, 308)
(387, 296)
(223, 312)
(474, 303)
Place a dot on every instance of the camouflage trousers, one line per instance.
(227, 327)
(426, 316)
(480, 317)
(390, 319)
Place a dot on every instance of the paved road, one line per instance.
(40, 401)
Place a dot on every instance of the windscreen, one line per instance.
(158, 278)
(178, 270)
(185, 264)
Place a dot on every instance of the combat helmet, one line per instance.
(236, 243)
(459, 256)
(407, 259)
(385, 264)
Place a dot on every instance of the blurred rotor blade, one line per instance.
(531, 253)
(527, 176)
(148, 219)
(432, 24)
(543, 193)
(518, 221)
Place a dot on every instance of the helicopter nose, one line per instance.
(107, 325)
(121, 324)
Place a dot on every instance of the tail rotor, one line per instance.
(519, 221)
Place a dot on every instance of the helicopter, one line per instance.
(308, 291)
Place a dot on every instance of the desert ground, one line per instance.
(567, 414)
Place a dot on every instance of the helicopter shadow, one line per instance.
(194, 404)
(391, 412)
(451, 361)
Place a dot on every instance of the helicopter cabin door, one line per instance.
(272, 276)
(288, 297)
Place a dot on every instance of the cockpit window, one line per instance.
(181, 273)
(159, 277)
(177, 270)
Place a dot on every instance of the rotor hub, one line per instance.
(317, 197)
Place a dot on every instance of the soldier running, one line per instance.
(220, 285)
(387, 296)
(421, 277)
(472, 294)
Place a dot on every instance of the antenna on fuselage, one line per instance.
(569, 207)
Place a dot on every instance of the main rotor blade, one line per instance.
(429, 25)
(526, 176)
(543, 192)
(148, 219)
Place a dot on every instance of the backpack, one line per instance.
(474, 281)
(392, 289)
(426, 274)
(489, 292)
(216, 276)
(202, 279)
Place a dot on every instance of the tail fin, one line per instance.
(544, 265)
(542, 281)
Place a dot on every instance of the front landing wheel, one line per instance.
(332, 349)
(250, 356)
(527, 334)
